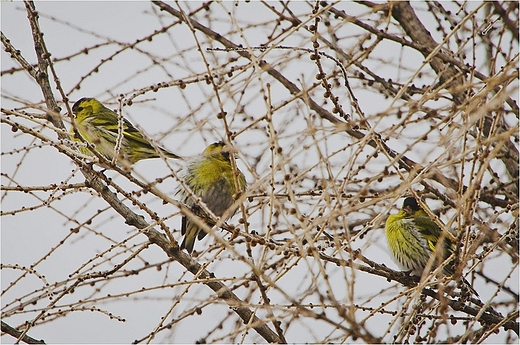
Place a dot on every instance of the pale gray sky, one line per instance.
(184, 121)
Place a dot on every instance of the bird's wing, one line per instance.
(429, 229)
(130, 133)
(431, 232)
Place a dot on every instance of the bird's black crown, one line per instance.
(411, 203)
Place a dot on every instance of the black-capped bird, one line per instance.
(412, 239)
(100, 126)
(211, 178)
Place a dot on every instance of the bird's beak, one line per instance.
(408, 210)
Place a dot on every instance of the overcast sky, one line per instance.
(183, 121)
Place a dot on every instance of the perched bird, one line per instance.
(412, 239)
(100, 126)
(211, 178)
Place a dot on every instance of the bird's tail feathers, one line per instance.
(191, 232)
(188, 243)
(469, 287)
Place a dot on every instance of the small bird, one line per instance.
(412, 239)
(211, 178)
(100, 126)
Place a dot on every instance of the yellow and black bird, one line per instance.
(211, 178)
(413, 237)
(100, 126)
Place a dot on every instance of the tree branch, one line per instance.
(132, 218)
(16, 334)
(452, 79)
(375, 141)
